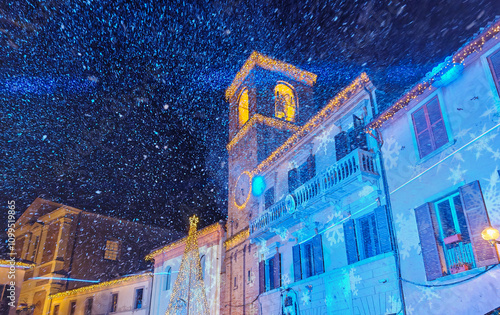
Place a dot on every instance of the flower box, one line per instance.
(459, 268)
(453, 239)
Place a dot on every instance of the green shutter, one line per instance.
(477, 220)
(431, 250)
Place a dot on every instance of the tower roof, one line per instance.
(265, 62)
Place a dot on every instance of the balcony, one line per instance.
(344, 177)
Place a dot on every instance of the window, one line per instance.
(270, 273)
(285, 102)
(138, 298)
(429, 127)
(450, 233)
(269, 198)
(56, 310)
(367, 236)
(88, 306)
(112, 250)
(168, 278)
(243, 110)
(308, 259)
(354, 138)
(34, 249)
(302, 174)
(202, 263)
(494, 62)
(72, 308)
(114, 302)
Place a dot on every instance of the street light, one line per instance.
(491, 234)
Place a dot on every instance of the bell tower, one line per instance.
(269, 101)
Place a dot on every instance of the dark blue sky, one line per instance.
(118, 106)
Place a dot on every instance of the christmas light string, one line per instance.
(237, 239)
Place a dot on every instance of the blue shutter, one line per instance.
(297, 271)
(306, 251)
(427, 231)
(262, 276)
(319, 266)
(277, 271)
(383, 232)
(477, 220)
(350, 242)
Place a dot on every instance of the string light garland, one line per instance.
(260, 119)
(98, 286)
(265, 62)
(209, 229)
(237, 239)
(456, 60)
(8, 263)
(340, 99)
(188, 292)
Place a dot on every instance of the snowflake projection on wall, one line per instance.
(393, 305)
(262, 249)
(305, 298)
(335, 235)
(456, 174)
(281, 231)
(409, 309)
(354, 280)
(286, 280)
(492, 197)
(390, 151)
(428, 295)
(368, 189)
(482, 144)
(329, 301)
(326, 138)
(407, 233)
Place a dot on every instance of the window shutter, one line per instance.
(477, 219)
(311, 166)
(428, 241)
(262, 276)
(383, 231)
(319, 266)
(293, 180)
(350, 242)
(297, 272)
(277, 271)
(357, 139)
(341, 145)
(495, 67)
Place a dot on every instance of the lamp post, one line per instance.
(491, 234)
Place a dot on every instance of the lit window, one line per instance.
(243, 114)
(430, 130)
(114, 302)
(494, 61)
(285, 102)
(138, 298)
(168, 278)
(112, 250)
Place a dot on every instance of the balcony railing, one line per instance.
(459, 258)
(356, 163)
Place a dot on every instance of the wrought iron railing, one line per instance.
(459, 257)
(348, 167)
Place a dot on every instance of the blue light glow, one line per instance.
(66, 279)
(449, 76)
(258, 186)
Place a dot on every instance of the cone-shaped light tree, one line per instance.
(188, 294)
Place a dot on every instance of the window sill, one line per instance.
(447, 278)
(436, 152)
(372, 259)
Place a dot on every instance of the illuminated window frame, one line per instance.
(243, 108)
(112, 251)
(289, 112)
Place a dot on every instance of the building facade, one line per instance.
(441, 149)
(11, 280)
(71, 248)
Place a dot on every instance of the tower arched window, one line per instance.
(168, 278)
(285, 106)
(243, 113)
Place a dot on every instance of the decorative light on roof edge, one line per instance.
(98, 286)
(204, 231)
(268, 63)
(457, 60)
(5, 262)
(258, 118)
(316, 120)
(237, 239)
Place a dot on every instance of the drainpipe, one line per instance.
(243, 282)
(380, 142)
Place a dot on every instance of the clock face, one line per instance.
(242, 190)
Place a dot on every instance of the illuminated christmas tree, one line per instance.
(188, 295)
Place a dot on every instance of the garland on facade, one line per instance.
(8, 263)
(237, 239)
(188, 294)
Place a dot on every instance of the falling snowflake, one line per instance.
(326, 138)
(390, 150)
(393, 305)
(335, 235)
(457, 174)
(305, 298)
(407, 234)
